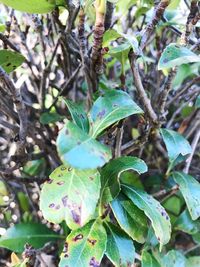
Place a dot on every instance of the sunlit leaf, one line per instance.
(80, 150)
(190, 190)
(70, 195)
(113, 106)
(85, 246)
(176, 55)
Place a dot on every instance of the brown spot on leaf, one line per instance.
(66, 245)
(57, 207)
(78, 237)
(69, 169)
(52, 205)
(91, 178)
(64, 201)
(63, 168)
(92, 241)
(60, 183)
(76, 217)
(94, 263)
(49, 181)
(101, 114)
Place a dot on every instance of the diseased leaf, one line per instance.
(176, 144)
(113, 106)
(176, 55)
(190, 190)
(153, 210)
(148, 260)
(34, 234)
(120, 248)
(80, 150)
(110, 176)
(70, 195)
(85, 246)
(185, 223)
(129, 216)
(31, 6)
(10, 60)
(78, 115)
(174, 258)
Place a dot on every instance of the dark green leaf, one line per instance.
(148, 260)
(176, 55)
(176, 144)
(34, 234)
(113, 106)
(110, 176)
(78, 115)
(70, 195)
(153, 210)
(129, 217)
(85, 246)
(80, 150)
(190, 190)
(10, 60)
(185, 223)
(50, 117)
(120, 249)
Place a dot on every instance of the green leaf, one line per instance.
(80, 150)
(70, 195)
(50, 117)
(148, 260)
(176, 144)
(2, 27)
(172, 204)
(34, 234)
(10, 60)
(174, 258)
(120, 249)
(31, 6)
(78, 115)
(113, 106)
(153, 210)
(109, 36)
(193, 261)
(197, 103)
(185, 223)
(111, 173)
(129, 216)
(190, 190)
(85, 246)
(176, 55)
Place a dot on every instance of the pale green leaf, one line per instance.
(113, 106)
(85, 246)
(70, 195)
(153, 210)
(176, 144)
(80, 150)
(174, 258)
(120, 248)
(190, 190)
(193, 261)
(176, 55)
(197, 103)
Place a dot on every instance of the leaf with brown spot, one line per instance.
(70, 196)
(80, 251)
(10, 60)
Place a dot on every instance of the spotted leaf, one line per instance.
(70, 195)
(85, 246)
(113, 106)
(153, 210)
(80, 150)
(176, 55)
(190, 190)
(10, 60)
